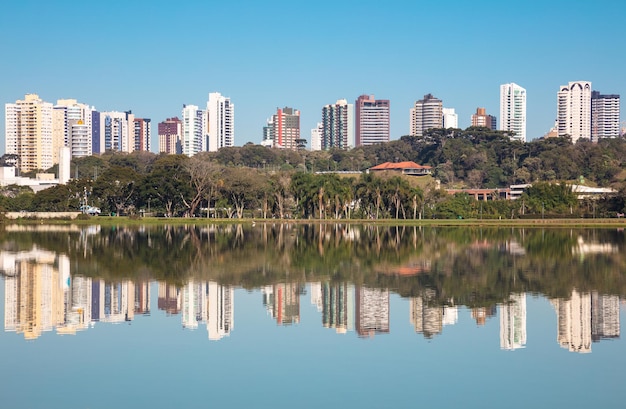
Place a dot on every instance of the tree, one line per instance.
(205, 177)
(117, 187)
(167, 183)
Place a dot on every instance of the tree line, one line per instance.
(254, 181)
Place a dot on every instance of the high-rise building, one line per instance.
(170, 134)
(117, 132)
(284, 129)
(372, 124)
(28, 132)
(221, 122)
(80, 140)
(427, 113)
(513, 322)
(574, 110)
(316, 137)
(513, 110)
(193, 130)
(142, 134)
(605, 112)
(67, 113)
(450, 118)
(338, 125)
(482, 119)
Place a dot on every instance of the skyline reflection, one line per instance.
(41, 296)
(67, 281)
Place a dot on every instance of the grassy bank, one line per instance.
(156, 221)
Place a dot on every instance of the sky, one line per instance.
(152, 57)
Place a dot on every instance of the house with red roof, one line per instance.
(406, 168)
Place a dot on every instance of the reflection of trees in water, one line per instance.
(473, 266)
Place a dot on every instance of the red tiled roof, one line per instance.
(399, 166)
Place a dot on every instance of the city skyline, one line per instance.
(460, 77)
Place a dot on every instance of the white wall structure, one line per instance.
(574, 110)
(64, 164)
(221, 122)
(513, 110)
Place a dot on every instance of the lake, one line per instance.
(308, 316)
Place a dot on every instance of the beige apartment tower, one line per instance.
(28, 130)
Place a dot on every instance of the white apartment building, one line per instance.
(450, 118)
(574, 110)
(513, 110)
(28, 132)
(221, 122)
(316, 137)
(193, 123)
(117, 131)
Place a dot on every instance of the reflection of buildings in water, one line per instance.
(429, 320)
(193, 301)
(513, 322)
(316, 295)
(208, 303)
(582, 248)
(142, 298)
(338, 306)
(34, 297)
(220, 310)
(169, 300)
(112, 302)
(514, 248)
(282, 302)
(586, 317)
(371, 311)
(574, 322)
(604, 316)
(481, 314)
(41, 295)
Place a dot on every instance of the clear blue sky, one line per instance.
(152, 57)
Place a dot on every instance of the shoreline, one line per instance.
(159, 221)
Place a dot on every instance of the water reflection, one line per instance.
(68, 281)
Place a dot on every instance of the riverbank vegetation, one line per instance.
(256, 182)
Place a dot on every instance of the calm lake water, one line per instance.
(310, 316)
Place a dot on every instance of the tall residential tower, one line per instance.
(371, 120)
(221, 122)
(574, 110)
(513, 110)
(427, 113)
